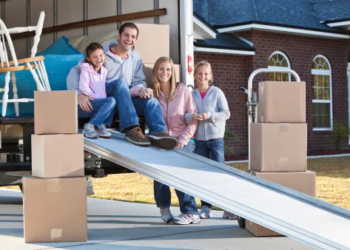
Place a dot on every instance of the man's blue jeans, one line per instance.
(162, 193)
(130, 108)
(102, 112)
(212, 149)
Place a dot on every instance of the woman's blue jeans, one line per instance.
(130, 108)
(212, 149)
(103, 110)
(162, 193)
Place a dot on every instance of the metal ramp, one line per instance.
(299, 216)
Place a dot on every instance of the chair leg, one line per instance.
(14, 90)
(5, 97)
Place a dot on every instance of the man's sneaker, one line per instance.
(136, 137)
(166, 215)
(229, 216)
(162, 140)
(185, 219)
(89, 131)
(205, 212)
(103, 132)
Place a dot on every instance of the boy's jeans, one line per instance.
(102, 112)
(212, 149)
(129, 108)
(162, 193)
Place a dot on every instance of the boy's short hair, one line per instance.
(130, 25)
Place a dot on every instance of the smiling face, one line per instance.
(202, 76)
(127, 39)
(164, 72)
(97, 58)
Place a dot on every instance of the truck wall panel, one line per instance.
(98, 10)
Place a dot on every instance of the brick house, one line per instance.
(311, 37)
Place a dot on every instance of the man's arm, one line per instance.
(72, 82)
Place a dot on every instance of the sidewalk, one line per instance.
(123, 225)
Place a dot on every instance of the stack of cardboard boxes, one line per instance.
(153, 43)
(54, 201)
(278, 142)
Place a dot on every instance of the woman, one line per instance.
(175, 100)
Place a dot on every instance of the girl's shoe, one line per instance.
(205, 212)
(89, 131)
(103, 132)
(229, 216)
(166, 215)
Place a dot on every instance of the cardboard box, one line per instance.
(54, 210)
(55, 112)
(282, 102)
(278, 147)
(148, 67)
(304, 182)
(55, 156)
(153, 41)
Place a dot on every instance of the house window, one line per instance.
(278, 60)
(321, 93)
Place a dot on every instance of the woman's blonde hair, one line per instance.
(155, 80)
(204, 63)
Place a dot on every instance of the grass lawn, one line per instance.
(332, 183)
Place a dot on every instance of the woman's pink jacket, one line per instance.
(174, 112)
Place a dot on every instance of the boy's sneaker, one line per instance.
(166, 215)
(136, 137)
(162, 140)
(103, 132)
(186, 219)
(205, 212)
(229, 216)
(89, 131)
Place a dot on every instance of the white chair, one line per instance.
(35, 64)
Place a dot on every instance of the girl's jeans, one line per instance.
(162, 193)
(102, 112)
(212, 149)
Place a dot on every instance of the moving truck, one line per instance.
(79, 18)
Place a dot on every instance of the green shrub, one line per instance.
(340, 131)
(230, 136)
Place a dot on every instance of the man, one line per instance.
(126, 83)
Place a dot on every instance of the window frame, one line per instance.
(277, 68)
(330, 101)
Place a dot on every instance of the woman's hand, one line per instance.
(146, 93)
(179, 145)
(84, 103)
(203, 116)
(195, 116)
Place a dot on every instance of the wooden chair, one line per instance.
(35, 64)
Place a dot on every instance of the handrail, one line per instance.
(97, 21)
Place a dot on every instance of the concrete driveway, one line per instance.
(123, 225)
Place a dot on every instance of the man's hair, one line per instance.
(130, 25)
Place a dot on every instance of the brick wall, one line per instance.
(232, 71)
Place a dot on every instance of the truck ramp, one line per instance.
(299, 216)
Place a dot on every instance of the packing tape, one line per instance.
(283, 161)
(284, 128)
(53, 185)
(56, 234)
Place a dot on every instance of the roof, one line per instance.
(225, 41)
(306, 14)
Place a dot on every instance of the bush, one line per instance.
(230, 136)
(340, 131)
